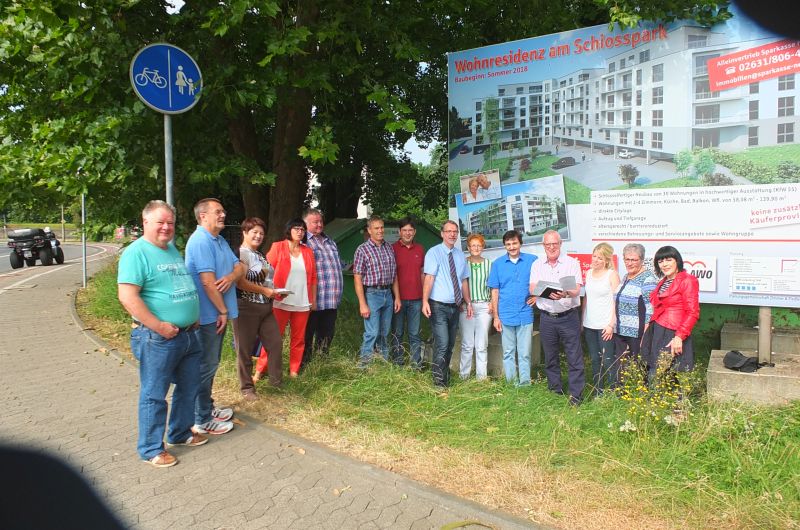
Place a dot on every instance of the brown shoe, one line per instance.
(163, 459)
(249, 397)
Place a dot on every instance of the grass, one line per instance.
(540, 167)
(525, 450)
(771, 156)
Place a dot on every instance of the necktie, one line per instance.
(454, 278)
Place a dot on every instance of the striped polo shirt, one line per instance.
(478, 278)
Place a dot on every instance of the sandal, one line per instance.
(163, 459)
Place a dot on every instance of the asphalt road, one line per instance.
(72, 253)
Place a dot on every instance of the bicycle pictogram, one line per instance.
(150, 76)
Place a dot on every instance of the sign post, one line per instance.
(167, 80)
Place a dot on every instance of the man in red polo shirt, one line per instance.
(410, 257)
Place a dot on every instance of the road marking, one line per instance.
(95, 257)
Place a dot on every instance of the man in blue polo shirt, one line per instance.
(509, 281)
(445, 293)
(215, 269)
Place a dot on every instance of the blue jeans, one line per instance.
(444, 321)
(376, 327)
(162, 362)
(517, 340)
(410, 311)
(211, 344)
(604, 365)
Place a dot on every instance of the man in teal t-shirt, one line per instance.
(155, 287)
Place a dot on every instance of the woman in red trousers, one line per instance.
(296, 271)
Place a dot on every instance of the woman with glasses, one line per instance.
(633, 307)
(599, 318)
(295, 271)
(676, 308)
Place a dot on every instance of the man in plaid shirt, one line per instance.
(322, 321)
(375, 281)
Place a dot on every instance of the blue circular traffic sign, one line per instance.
(166, 78)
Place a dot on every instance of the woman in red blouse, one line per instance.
(676, 308)
(295, 270)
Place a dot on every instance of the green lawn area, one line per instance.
(727, 465)
(540, 167)
(682, 182)
(771, 156)
(576, 193)
(497, 163)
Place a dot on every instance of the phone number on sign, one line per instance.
(772, 59)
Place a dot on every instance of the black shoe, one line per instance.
(574, 401)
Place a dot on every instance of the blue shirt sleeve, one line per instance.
(431, 264)
(200, 255)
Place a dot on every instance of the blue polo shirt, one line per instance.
(437, 264)
(513, 282)
(206, 253)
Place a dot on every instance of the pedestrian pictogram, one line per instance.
(166, 78)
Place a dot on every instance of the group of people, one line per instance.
(181, 307)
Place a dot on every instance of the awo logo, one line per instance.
(704, 268)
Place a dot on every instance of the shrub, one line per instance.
(717, 179)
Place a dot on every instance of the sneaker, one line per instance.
(162, 459)
(213, 427)
(221, 414)
(193, 441)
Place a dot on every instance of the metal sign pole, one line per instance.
(168, 156)
(83, 235)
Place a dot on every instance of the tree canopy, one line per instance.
(290, 89)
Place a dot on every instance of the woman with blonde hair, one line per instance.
(472, 194)
(599, 316)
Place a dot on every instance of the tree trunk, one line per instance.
(292, 124)
(288, 195)
(244, 139)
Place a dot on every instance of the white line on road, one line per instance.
(95, 257)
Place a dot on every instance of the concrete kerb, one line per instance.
(481, 514)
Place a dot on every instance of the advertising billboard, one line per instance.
(661, 135)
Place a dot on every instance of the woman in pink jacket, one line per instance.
(676, 308)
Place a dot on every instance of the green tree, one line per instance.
(278, 76)
(703, 165)
(683, 161)
(628, 174)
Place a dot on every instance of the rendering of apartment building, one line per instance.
(654, 99)
(526, 212)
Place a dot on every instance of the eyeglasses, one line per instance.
(299, 228)
(631, 260)
(551, 245)
(450, 231)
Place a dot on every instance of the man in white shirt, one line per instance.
(560, 322)
(486, 188)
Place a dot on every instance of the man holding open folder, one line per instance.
(560, 322)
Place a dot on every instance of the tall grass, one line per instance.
(725, 464)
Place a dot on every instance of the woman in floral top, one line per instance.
(256, 320)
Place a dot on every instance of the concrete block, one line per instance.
(735, 336)
(769, 385)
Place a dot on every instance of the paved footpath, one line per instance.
(62, 395)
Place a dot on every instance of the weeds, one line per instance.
(527, 451)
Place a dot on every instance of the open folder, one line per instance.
(545, 289)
